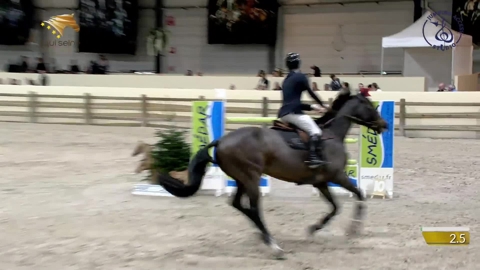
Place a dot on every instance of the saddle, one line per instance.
(294, 136)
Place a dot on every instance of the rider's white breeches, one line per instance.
(304, 122)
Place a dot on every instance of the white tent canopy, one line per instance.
(422, 57)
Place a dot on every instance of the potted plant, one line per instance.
(171, 154)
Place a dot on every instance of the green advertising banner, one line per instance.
(352, 171)
(371, 146)
(200, 136)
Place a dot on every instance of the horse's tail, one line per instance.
(196, 171)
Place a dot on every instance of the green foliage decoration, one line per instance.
(171, 152)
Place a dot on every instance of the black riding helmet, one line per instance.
(293, 61)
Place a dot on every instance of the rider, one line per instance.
(292, 108)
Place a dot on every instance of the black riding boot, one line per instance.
(314, 160)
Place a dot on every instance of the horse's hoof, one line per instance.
(278, 252)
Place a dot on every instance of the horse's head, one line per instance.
(360, 110)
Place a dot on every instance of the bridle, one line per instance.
(371, 124)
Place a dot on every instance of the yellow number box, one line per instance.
(446, 235)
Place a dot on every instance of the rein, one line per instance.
(355, 119)
(361, 122)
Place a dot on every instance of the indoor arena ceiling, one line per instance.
(72, 4)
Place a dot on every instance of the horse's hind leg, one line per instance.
(323, 188)
(345, 182)
(253, 213)
(253, 193)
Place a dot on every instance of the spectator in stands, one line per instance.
(263, 83)
(277, 86)
(103, 65)
(375, 87)
(90, 67)
(365, 92)
(441, 87)
(24, 64)
(316, 71)
(40, 65)
(357, 90)
(74, 67)
(326, 87)
(452, 88)
(189, 73)
(277, 73)
(315, 86)
(9, 66)
(346, 87)
(100, 67)
(335, 85)
(280, 72)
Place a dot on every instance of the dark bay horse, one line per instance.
(247, 153)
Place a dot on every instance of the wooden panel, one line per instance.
(443, 128)
(17, 114)
(442, 104)
(60, 115)
(189, 39)
(346, 38)
(176, 112)
(138, 117)
(64, 105)
(13, 103)
(442, 115)
(116, 106)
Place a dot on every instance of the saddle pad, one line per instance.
(292, 139)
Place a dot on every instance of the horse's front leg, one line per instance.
(357, 222)
(323, 188)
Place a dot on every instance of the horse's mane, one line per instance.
(337, 104)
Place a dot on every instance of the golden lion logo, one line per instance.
(59, 23)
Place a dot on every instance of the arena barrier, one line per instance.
(372, 171)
